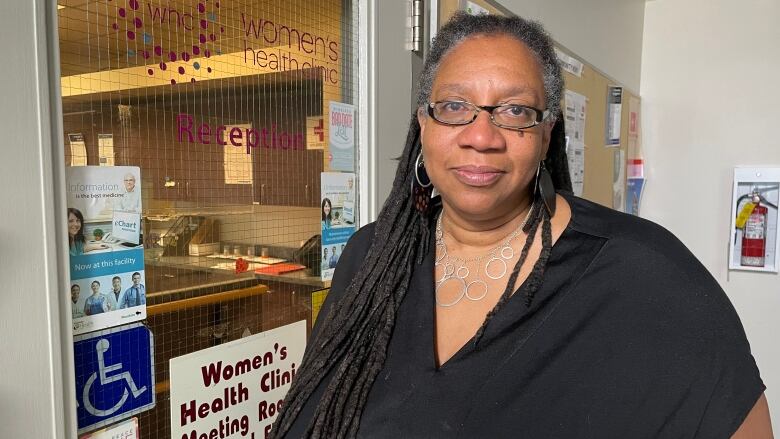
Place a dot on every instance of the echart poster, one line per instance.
(338, 217)
(235, 389)
(107, 287)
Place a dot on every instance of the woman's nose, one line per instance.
(481, 134)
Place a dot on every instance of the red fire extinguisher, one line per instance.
(754, 236)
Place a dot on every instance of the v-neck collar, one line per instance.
(510, 312)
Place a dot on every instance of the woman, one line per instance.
(76, 241)
(327, 206)
(503, 309)
(96, 303)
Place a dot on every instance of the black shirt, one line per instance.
(629, 336)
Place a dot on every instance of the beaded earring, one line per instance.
(422, 187)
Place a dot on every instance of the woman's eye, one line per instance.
(516, 111)
(454, 107)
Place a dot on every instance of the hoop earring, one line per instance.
(422, 187)
(545, 188)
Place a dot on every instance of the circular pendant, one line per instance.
(492, 262)
(458, 296)
(471, 295)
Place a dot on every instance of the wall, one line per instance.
(392, 92)
(34, 382)
(606, 33)
(709, 101)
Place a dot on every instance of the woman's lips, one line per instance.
(477, 175)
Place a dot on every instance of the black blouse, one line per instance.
(629, 336)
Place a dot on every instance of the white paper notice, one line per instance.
(614, 110)
(618, 180)
(124, 430)
(235, 389)
(569, 63)
(78, 150)
(576, 158)
(575, 113)
(475, 9)
(106, 149)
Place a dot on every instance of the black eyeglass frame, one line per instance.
(541, 115)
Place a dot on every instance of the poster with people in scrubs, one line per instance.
(105, 245)
(338, 217)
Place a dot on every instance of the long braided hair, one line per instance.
(353, 338)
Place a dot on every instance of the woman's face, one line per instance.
(326, 208)
(95, 288)
(74, 225)
(483, 171)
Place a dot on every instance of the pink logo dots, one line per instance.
(201, 45)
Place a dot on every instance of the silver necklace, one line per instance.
(455, 269)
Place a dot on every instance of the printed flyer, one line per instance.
(106, 253)
(338, 217)
(342, 136)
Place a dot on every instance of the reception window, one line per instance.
(211, 155)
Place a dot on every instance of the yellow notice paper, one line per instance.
(744, 214)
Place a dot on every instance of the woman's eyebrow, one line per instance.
(511, 91)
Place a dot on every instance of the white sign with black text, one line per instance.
(235, 389)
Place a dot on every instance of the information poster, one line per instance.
(634, 188)
(235, 389)
(342, 136)
(754, 242)
(104, 240)
(614, 110)
(574, 114)
(338, 217)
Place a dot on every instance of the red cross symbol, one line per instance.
(318, 130)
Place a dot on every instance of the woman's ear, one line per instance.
(422, 118)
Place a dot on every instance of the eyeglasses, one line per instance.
(509, 116)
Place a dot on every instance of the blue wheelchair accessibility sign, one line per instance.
(114, 375)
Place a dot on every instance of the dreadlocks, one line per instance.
(353, 338)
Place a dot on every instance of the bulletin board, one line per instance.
(600, 164)
(600, 160)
